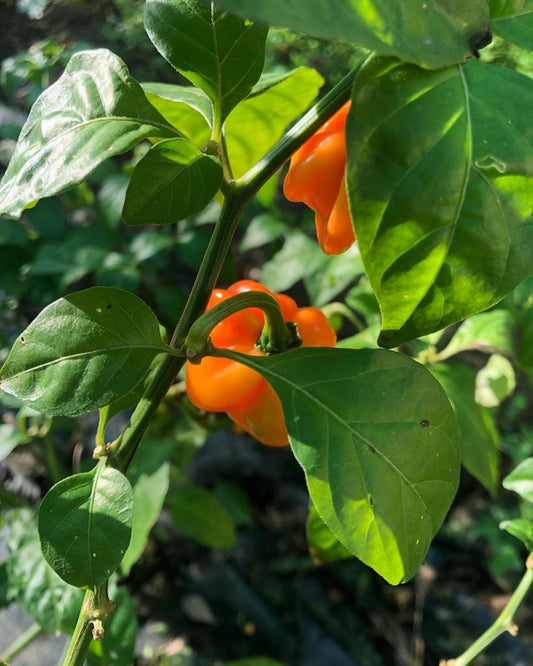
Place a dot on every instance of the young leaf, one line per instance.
(432, 34)
(521, 529)
(85, 525)
(440, 184)
(199, 514)
(217, 52)
(476, 425)
(94, 111)
(495, 382)
(513, 21)
(188, 109)
(255, 125)
(82, 352)
(377, 439)
(171, 182)
(520, 480)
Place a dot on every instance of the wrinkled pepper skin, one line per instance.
(222, 385)
(316, 177)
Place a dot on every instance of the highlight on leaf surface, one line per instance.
(82, 352)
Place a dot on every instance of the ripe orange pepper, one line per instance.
(316, 177)
(223, 385)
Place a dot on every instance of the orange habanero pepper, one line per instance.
(223, 385)
(316, 177)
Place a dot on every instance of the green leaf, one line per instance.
(335, 274)
(35, 586)
(488, 332)
(323, 544)
(254, 661)
(171, 182)
(299, 257)
(377, 439)
(217, 52)
(82, 352)
(199, 514)
(513, 21)
(521, 529)
(85, 525)
(479, 436)
(94, 111)
(495, 382)
(433, 34)
(10, 438)
(440, 184)
(149, 476)
(520, 480)
(188, 109)
(258, 122)
(261, 230)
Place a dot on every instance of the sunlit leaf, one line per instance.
(94, 111)
(478, 432)
(520, 480)
(216, 51)
(377, 439)
(440, 175)
(431, 34)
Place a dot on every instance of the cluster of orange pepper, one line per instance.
(316, 177)
(223, 385)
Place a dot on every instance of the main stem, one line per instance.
(236, 195)
(82, 636)
(503, 623)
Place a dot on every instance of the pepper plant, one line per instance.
(435, 177)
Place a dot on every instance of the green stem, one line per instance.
(503, 623)
(237, 195)
(22, 642)
(275, 336)
(82, 636)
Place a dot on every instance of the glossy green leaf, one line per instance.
(200, 515)
(171, 182)
(259, 121)
(323, 544)
(377, 439)
(521, 529)
(490, 332)
(149, 476)
(188, 109)
(513, 21)
(439, 164)
(479, 436)
(520, 480)
(94, 111)
(82, 352)
(432, 34)
(216, 51)
(36, 587)
(85, 525)
(495, 382)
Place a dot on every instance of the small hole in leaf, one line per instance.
(108, 307)
(371, 448)
(424, 423)
(22, 339)
(99, 310)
